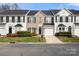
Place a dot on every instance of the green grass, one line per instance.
(22, 39)
(69, 39)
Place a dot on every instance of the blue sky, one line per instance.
(48, 5)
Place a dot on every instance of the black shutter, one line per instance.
(52, 19)
(71, 18)
(74, 19)
(56, 18)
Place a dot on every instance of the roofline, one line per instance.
(66, 10)
(47, 15)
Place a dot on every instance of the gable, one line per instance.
(63, 12)
(39, 14)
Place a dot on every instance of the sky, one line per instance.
(46, 6)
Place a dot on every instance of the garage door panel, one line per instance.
(48, 31)
(2, 31)
(77, 32)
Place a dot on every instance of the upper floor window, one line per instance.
(66, 19)
(23, 18)
(13, 18)
(40, 19)
(47, 19)
(28, 20)
(52, 19)
(19, 20)
(7, 18)
(71, 18)
(34, 19)
(1, 19)
(61, 19)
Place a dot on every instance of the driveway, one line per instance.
(52, 39)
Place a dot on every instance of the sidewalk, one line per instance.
(52, 39)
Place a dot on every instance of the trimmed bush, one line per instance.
(67, 34)
(33, 34)
(23, 34)
(11, 35)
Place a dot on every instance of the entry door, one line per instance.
(10, 30)
(39, 30)
(69, 28)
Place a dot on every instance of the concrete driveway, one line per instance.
(52, 39)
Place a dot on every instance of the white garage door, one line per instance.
(48, 31)
(76, 32)
(2, 30)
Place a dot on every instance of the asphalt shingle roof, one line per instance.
(15, 12)
(55, 11)
(47, 12)
(32, 12)
(74, 11)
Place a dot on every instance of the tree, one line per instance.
(4, 7)
(9, 7)
(14, 6)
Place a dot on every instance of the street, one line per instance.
(39, 50)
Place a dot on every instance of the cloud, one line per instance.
(74, 4)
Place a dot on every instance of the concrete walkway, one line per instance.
(52, 39)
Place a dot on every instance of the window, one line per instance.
(7, 18)
(23, 18)
(61, 19)
(45, 20)
(34, 19)
(61, 29)
(29, 29)
(19, 20)
(13, 19)
(28, 20)
(1, 19)
(34, 30)
(66, 19)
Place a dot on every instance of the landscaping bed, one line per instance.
(69, 39)
(22, 39)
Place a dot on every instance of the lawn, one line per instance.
(69, 39)
(22, 39)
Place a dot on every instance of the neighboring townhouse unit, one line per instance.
(36, 20)
(43, 22)
(12, 21)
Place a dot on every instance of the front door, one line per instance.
(10, 30)
(39, 30)
(69, 28)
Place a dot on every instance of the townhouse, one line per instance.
(43, 22)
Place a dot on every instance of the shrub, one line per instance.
(57, 34)
(33, 34)
(23, 34)
(11, 35)
(67, 34)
